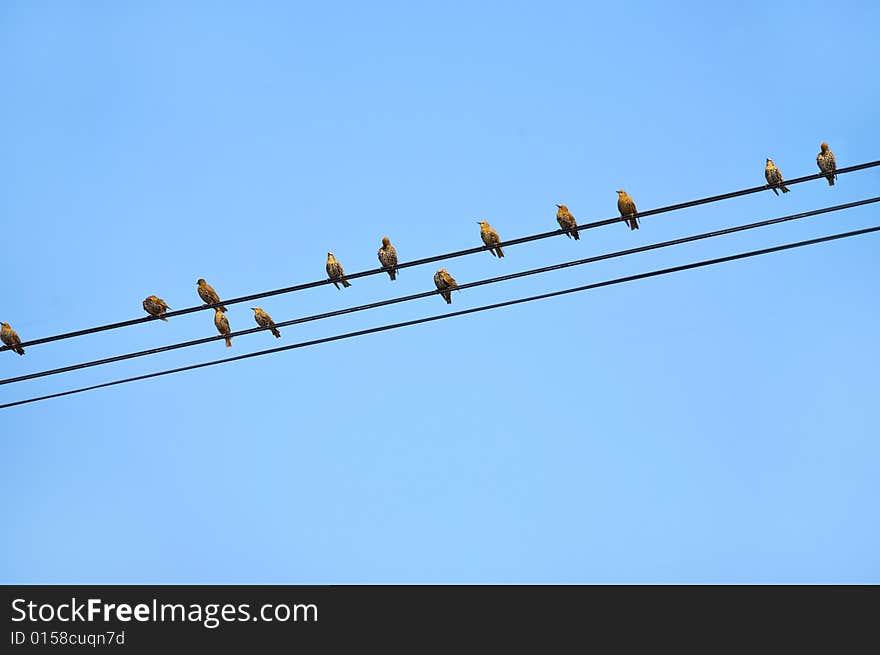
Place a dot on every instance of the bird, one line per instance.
(445, 283)
(10, 338)
(566, 222)
(490, 238)
(207, 293)
(774, 177)
(265, 321)
(627, 209)
(388, 257)
(155, 306)
(827, 163)
(222, 324)
(334, 270)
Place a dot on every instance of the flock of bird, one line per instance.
(444, 282)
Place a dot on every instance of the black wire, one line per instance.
(463, 312)
(436, 258)
(426, 294)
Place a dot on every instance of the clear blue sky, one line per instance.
(713, 426)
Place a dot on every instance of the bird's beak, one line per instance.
(560, 206)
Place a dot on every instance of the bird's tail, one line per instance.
(773, 189)
(19, 350)
(831, 179)
(784, 188)
(229, 342)
(499, 251)
(392, 274)
(276, 333)
(222, 309)
(447, 296)
(345, 283)
(633, 223)
(574, 235)
(163, 318)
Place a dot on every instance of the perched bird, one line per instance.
(388, 257)
(207, 293)
(10, 338)
(265, 321)
(445, 283)
(490, 238)
(334, 270)
(774, 177)
(566, 222)
(155, 306)
(627, 209)
(222, 324)
(827, 164)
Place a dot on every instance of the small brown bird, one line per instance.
(334, 270)
(774, 177)
(10, 338)
(627, 209)
(155, 306)
(208, 295)
(490, 238)
(265, 321)
(827, 163)
(566, 222)
(445, 283)
(222, 324)
(388, 257)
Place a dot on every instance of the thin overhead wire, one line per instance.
(441, 257)
(426, 294)
(463, 312)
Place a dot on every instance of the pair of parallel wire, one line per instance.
(494, 280)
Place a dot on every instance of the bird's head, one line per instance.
(482, 223)
(621, 192)
(769, 162)
(563, 208)
(201, 281)
(824, 146)
(386, 242)
(257, 310)
(5, 326)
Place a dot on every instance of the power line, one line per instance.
(463, 312)
(426, 294)
(436, 258)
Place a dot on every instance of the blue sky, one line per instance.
(713, 426)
